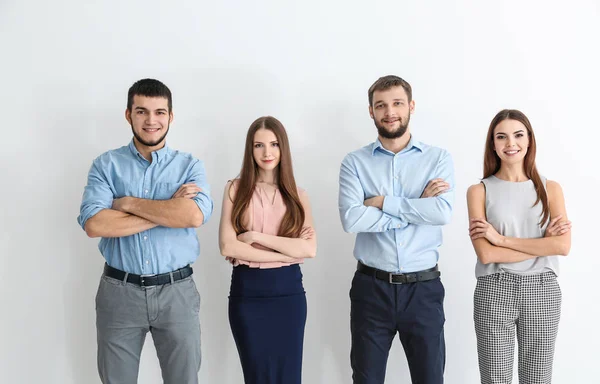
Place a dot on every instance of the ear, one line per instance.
(371, 112)
(171, 116)
(411, 107)
(128, 116)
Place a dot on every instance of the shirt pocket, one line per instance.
(164, 191)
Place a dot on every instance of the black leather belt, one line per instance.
(148, 280)
(400, 278)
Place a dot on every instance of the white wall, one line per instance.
(65, 68)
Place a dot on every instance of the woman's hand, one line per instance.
(247, 237)
(557, 227)
(480, 228)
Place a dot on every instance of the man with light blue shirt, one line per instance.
(396, 194)
(145, 200)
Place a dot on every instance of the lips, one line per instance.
(151, 130)
(511, 152)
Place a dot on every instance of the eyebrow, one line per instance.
(145, 109)
(262, 142)
(502, 133)
(381, 101)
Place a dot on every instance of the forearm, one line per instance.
(488, 253)
(421, 211)
(173, 213)
(294, 247)
(543, 246)
(242, 251)
(111, 223)
(360, 218)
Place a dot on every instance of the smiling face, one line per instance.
(149, 118)
(391, 112)
(511, 141)
(266, 151)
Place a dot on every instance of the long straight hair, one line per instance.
(491, 160)
(293, 219)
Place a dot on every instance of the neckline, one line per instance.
(512, 182)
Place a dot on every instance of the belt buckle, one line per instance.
(142, 281)
(391, 280)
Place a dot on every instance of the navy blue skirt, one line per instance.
(267, 315)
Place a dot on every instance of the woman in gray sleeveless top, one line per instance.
(519, 229)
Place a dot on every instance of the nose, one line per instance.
(150, 118)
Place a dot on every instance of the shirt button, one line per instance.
(145, 237)
(402, 269)
(146, 191)
(399, 244)
(147, 262)
(399, 225)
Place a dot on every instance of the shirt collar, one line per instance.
(411, 143)
(156, 155)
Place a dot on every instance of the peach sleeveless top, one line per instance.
(264, 215)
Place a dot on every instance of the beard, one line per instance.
(398, 132)
(149, 143)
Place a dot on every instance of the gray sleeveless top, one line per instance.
(509, 209)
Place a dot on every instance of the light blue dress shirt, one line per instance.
(405, 235)
(125, 172)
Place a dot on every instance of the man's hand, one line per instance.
(376, 202)
(120, 204)
(187, 191)
(557, 227)
(434, 188)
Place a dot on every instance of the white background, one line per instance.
(66, 65)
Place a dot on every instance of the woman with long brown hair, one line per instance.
(518, 226)
(266, 231)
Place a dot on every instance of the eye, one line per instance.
(161, 112)
(519, 135)
(500, 137)
(276, 144)
(398, 103)
(257, 145)
(140, 112)
(378, 106)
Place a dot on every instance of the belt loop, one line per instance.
(171, 276)
(125, 278)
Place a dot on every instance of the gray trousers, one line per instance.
(509, 305)
(126, 312)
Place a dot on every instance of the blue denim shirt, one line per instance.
(125, 172)
(405, 235)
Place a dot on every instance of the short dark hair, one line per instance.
(386, 82)
(149, 88)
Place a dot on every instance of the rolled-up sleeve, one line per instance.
(203, 200)
(97, 195)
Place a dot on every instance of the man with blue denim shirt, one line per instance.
(396, 193)
(145, 200)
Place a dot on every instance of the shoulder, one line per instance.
(553, 188)
(113, 155)
(359, 153)
(184, 157)
(476, 191)
(231, 188)
(435, 152)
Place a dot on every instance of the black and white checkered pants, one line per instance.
(529, 306)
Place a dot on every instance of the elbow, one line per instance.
(311, 253)
(196, 220)
(226, 249)
(91, 230)
(484, 257)
(445, 216)
(564, 249)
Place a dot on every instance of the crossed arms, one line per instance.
(491, 247)
(104, 216)
(382, 213)
(283, 249)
